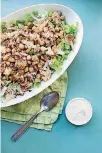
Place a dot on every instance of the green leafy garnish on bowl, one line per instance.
(20, 25)
(3, 27)
(31, 52)
(35, 13)
(36, 84)
(28, 18)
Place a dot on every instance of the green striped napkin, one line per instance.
(22, 112)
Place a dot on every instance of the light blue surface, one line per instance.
(85, 80)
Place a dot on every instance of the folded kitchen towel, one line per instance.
(22, 112)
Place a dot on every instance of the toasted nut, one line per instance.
(26, 69)
(28, 57)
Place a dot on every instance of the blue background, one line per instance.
(85, 80)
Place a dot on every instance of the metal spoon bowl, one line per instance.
(47, 103)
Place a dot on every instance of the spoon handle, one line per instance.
(24, 127)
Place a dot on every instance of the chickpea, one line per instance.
(5, 57)
(18, 40)
(56, 28)
(11, 59)
(29, 47)
(38, 48)
(57, 21)
(24, 58)
(16, 57)
(45, 29)
(8, 50)
(43, 48)
(26, 47)
(21, 46)
(28, 57)
(41, 42)
(35, 68)
(54, 48)
(25, 27)
(29, 62)
(8, 63)
(55, 14)
(3, 49)
(21, 64)
(35, 58)
(32, 37)
(61, 34)
(40, 29)
(56, 35)
(8, 71)
(33, 28)
(41, 64)
(42, 57)
(58, 40)
(33, 63)
(31, 69)
(47, 42)
(27, 50)
(29, 23)
(38, 76)
(13, 50)
(62, 17)
(49, 18)
(18, 49)
(36, 30)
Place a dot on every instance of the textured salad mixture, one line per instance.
(32, 50)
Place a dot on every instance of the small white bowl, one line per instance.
(78, 111)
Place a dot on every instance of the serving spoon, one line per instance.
(46, 104)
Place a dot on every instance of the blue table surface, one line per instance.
(85, 80)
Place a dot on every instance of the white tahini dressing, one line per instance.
(78, 111)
